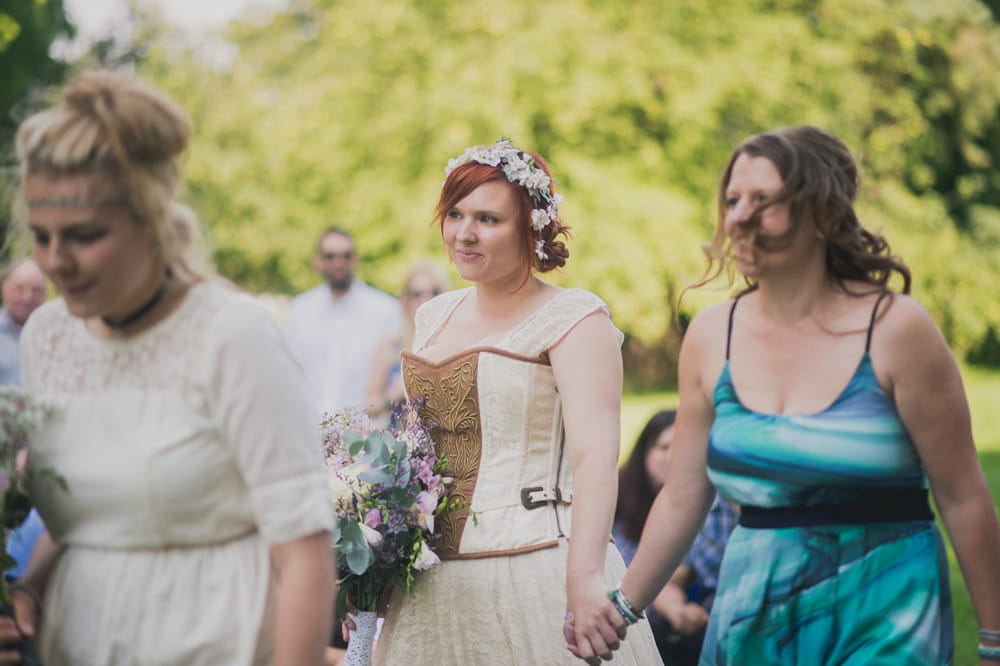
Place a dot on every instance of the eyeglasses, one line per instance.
(330, 256)
(418, 294)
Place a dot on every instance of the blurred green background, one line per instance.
(345, 112)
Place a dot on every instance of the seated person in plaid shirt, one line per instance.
(679, 613)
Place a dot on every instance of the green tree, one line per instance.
(345, 112)
(27, 30)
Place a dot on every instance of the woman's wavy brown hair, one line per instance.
(820, 184)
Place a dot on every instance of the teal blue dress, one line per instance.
(851, 592)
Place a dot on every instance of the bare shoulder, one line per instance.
(708, 328)
(703, 353)
(906, 342)
(902, 319)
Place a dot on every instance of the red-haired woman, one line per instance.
(523, 380)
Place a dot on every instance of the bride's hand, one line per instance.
(347, 625)
(594, 628)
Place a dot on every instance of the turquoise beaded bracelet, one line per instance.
(624, 606)
(989, 651)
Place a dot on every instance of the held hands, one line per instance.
(594, 628)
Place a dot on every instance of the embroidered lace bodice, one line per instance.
(187, 451)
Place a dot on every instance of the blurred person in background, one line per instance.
(679, 613)
(22, 289)
(425, 279)
(335, 328)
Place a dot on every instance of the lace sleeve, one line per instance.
(554, 320)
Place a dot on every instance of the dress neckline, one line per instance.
(187, 299)
(471, 351)
(726, 376)
(500, 346)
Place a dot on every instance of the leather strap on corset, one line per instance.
(536, 496)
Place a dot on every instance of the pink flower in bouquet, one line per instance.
(427, 502)
(373, 517)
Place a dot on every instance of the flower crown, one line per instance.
(520, 169)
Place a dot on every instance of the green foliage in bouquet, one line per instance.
(388, 485)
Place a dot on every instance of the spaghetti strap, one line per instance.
(729, 330)
(871, 324)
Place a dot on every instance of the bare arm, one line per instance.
(680, 508)
(588, 371)
(303, 618)
(26, 594)
(928, 392)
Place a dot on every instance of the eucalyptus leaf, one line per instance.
(354, 442)
(379, 475)
(354, 549)
(403, 472)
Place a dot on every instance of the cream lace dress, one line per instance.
(499, 596)
(188, 450)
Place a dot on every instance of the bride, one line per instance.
(522, 380)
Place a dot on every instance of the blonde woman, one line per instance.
(425, 279)
(196, 526)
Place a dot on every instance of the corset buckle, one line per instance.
(537, 496)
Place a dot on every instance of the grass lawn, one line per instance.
(983, 388)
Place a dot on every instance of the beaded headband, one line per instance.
(520, 169)
(72, 202)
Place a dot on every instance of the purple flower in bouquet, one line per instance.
(387, 486)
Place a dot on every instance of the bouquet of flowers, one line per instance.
(387, 486)
(19, 416)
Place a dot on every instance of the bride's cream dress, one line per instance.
(499, 596)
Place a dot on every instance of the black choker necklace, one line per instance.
(138, 314)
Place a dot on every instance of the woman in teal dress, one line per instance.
(825, 404)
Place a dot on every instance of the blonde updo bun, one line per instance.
(110, 123)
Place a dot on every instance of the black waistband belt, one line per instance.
(872, 507)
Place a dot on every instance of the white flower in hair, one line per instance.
(539, 244)
(519, 168)
(536, 180)
(539, 219)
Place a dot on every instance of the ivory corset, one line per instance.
(497, 419)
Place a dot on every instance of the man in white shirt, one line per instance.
(335, 328)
